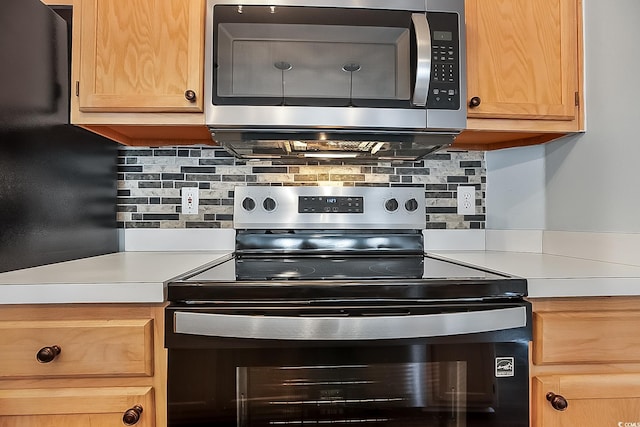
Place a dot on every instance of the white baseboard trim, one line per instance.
(619, 248)
(178, 239)
(514, 240)
(454, 240)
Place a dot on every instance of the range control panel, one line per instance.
(266, 207)
(330, 204)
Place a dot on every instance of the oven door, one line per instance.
(447, 366)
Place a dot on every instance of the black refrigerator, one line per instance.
(57, 181)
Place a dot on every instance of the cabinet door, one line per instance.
(592, 400)
(141, 55)
(77, 407)
(522, 58)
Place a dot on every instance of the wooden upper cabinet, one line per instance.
(522, 58)
(141, 55)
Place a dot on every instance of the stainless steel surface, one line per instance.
(386, 123)
(417, 5)
(348, 328)
(258, 117)
(285, 214)
(423, 67)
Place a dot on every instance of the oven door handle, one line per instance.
(348, 328)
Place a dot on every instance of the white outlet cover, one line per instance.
(190, 200)
(466, 200)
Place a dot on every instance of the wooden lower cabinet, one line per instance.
(95, 407)
(82, 365)
(585, 367)
(598, 400)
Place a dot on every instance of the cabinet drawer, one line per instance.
(87, 348)
(586, 337)
(95, 407)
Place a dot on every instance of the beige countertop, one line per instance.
(123, 277)
(556, 276)
(141, 277)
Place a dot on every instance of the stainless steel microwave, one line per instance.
(365, 79)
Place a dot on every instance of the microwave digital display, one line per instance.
(446, 36)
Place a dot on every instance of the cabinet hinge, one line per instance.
(577, 98)
(77, 88)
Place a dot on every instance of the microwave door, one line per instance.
(423, 59)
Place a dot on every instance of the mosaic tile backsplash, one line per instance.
(150, 181)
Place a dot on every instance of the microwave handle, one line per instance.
(348, 328)
(423, 63)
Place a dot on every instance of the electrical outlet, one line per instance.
(466, 200)
(190, 200)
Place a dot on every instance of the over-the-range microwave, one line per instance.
(362, 79)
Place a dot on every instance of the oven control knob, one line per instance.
(411, 205)
(248, 204)
(391, 205)
(269, 204)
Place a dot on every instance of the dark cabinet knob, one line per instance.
(47, 354)
(190, 95)
(558, 402)
(411, 205)
(132, 415)
(474, 102)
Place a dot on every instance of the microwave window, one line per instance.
(287, 58)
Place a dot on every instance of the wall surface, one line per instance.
(591, 179)
(150, 182)
(515, 197)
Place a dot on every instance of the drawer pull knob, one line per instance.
(475, 102)
(48, 354)
(190, 95)
(132, 415)
(558, 402)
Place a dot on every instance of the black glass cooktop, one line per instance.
(338, 268)
(328, 268)
(394, 277)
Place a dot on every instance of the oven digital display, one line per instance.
(330, 204)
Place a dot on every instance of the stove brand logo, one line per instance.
(623, 424)
(505, 367)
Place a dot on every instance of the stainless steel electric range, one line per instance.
(329, 312)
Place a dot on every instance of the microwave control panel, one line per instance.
(444, 90)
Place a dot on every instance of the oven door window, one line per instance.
(443, 385)
(376, 394)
